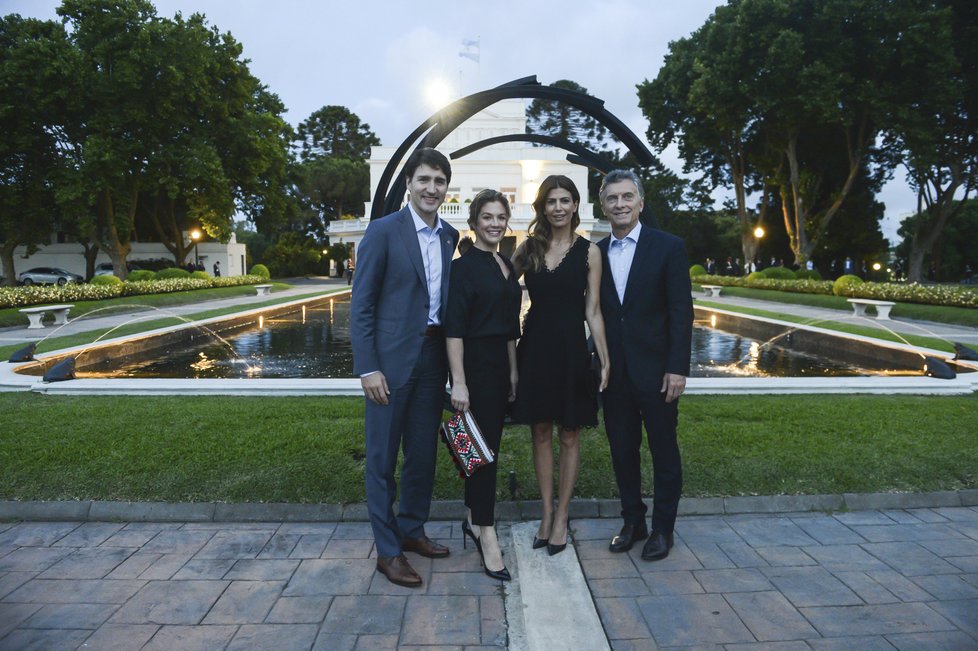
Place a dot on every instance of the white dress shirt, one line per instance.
(429, 239)
(620, 255)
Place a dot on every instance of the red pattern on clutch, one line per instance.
(464, 441)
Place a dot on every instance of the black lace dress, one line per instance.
(552, 354)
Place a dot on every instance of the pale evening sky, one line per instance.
(380, 58)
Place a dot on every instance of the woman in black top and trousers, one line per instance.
(481, 328)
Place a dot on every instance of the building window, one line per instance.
(510, 195)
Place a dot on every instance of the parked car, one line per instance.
(48, 276)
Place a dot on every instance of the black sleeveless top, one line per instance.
(552, 355)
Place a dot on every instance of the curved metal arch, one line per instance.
(581, 155)
(439, 125)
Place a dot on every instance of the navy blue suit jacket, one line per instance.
(649, 333)
(389, 308)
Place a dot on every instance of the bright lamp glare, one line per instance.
(438, 93)
(758, 232)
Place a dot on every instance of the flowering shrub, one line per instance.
(950, 295)
(958, 296)
(73, 293)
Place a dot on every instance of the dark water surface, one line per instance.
(316, 344)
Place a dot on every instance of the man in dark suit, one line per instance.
(648, 315)
(398, 305)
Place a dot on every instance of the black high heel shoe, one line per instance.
(499, 575)
(540, 542)
(553, 550)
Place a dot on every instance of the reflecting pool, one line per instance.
(314, 342)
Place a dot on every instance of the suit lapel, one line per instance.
(643, 253)
(410, 236)
(607, 279)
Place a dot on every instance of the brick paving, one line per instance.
(95, 585)
(899, 579)
(883, 579)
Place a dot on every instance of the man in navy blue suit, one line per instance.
(400, 290)
(648, 315)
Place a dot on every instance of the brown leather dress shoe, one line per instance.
(398, 571)
(424, 546)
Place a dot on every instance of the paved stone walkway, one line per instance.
(903, 579)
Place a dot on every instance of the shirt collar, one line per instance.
(632, 235)
(420, 225)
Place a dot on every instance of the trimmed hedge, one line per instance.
(105, 280)
(949, 295)
(843, 284)
(140, 275)
(202, 275)
(779, 273)
(172, 272)
(260, 270)
(38, 295)
(697, 270)
(808, 274)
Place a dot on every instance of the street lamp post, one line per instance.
(195, 235)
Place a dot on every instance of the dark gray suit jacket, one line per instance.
(389, 308)
(649, 332)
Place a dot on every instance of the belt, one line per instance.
(433, 331)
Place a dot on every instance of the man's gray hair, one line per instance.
(616, 176)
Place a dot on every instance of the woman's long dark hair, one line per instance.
(540, 232)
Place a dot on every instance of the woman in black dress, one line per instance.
(562, 272)
(481, 329)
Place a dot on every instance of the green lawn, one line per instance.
(311, 449)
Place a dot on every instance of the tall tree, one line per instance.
(553, 118)
(752, 94)
(37, 83)
(334, 132)
(173, 130)
(700, 101)
(332, 177)
(934, 130)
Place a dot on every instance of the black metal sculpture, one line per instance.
(442, 123)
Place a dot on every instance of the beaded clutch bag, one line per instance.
(465, 442)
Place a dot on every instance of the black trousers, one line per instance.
(626, 408)
(486, 364)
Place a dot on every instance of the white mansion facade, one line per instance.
(514, 168)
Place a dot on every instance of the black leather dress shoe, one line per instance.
(424, 546)
(657, 546)
(628, 536)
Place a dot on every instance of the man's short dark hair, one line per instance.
(430, 157)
